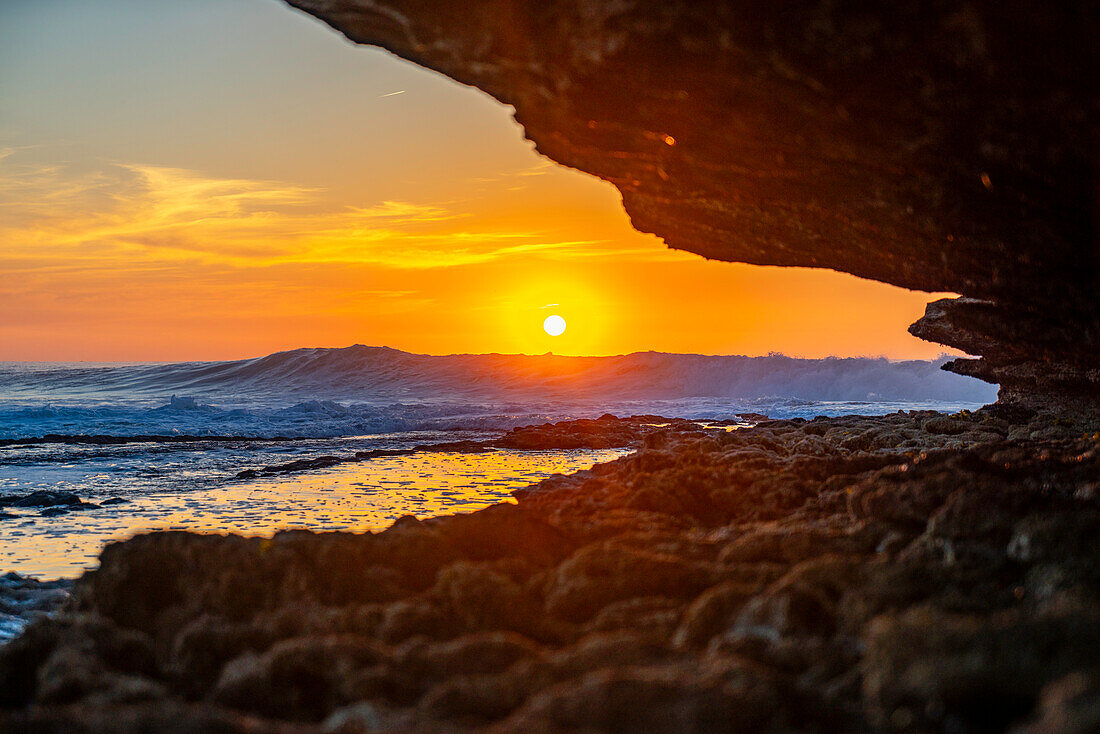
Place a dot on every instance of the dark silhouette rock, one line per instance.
(947, 147)
(42, 498)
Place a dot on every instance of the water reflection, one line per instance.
(358, 497)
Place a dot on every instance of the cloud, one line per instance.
(134, 213)
(541, 168)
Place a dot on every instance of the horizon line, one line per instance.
(940, 357)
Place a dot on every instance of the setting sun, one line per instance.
(554, 325)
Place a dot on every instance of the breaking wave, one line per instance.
(365, 390)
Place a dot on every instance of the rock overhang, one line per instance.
(939, 147)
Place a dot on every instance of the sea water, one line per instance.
(306, 404)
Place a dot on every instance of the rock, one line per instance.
(1070, 705)
(43, 498)
(415, 617)
(656, 615)
(866, 585)
(712, 613)
(599, 575)
(802, 603)
(62, 660)
(53, 503)
(943, 149)
(605, 433)
(358, 717)
(929, 670)
(202, 647)
(481, 599)
(297, 679)
(160, 716)
(646, 700)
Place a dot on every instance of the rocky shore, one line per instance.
(913, 572)
(605, 432)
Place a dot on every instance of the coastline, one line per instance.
(798, 574)
(55, 525)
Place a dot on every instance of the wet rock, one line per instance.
(604, 433)
(41, 498)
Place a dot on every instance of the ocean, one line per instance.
(180, 434)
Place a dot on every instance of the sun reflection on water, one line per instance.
(359, 497)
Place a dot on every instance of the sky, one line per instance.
(201, 180)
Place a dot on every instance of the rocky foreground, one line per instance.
(914, 572)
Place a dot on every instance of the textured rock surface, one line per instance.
(947, 146)
(915, 572)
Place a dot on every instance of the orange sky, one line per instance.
(187, 206)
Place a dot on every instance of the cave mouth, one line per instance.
(947, 149)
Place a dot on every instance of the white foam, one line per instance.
(366, 390)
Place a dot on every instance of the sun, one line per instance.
(554, 325)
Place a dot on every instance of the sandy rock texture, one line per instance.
(913, 572)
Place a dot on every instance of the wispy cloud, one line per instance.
(541, 168)
(53, 216)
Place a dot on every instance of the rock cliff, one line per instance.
(944, 146)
